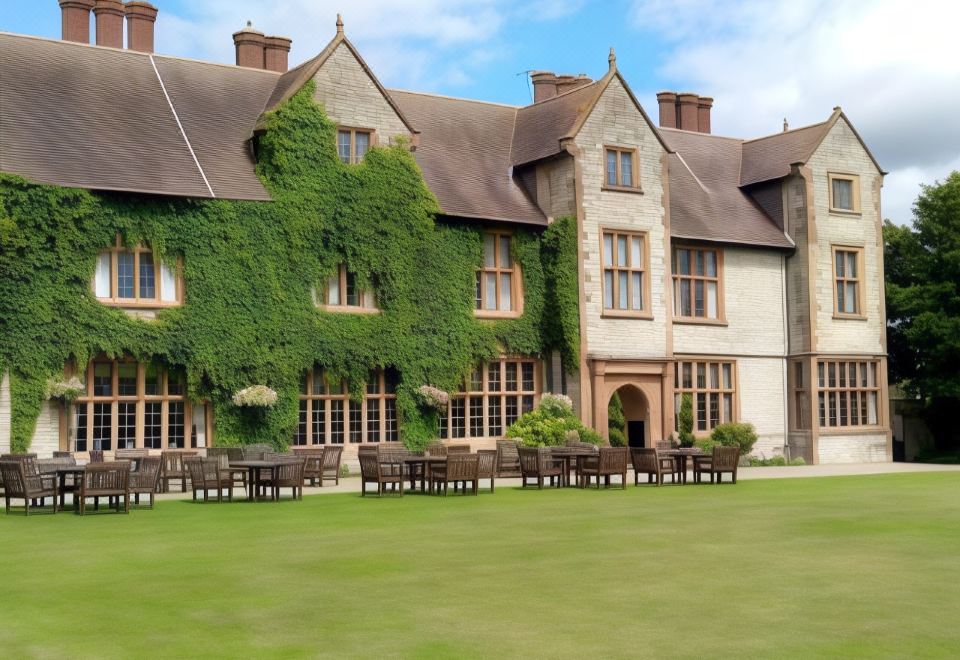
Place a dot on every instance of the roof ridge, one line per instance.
(792, 130)
(179, 58)
(708, 135)
(566, 93)
(457, 98)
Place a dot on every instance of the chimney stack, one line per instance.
(251, 46)
(544, 85)
(75, 20)
(109, 18)
(686, 111)
(276, 52)
(140, 19)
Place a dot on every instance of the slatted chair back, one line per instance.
(331, 458)
(14, 478)
(29, 462)
(529, 461)
(645, 460)
(458, 449)
(106, 479)
(126, 454)
(21, 484)
(508, 459)
(436, 449)
(148, 476)
(96, 455)
(369, 465)
(198, 471)
(487, 463)
(613, 460)
(173, 462)
(462, 467)
(50, 465)
(63, 454)
(726, 458)
(218, 452)
(289, 475)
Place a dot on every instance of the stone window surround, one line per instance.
(516, 281)
(486, 394)
(848, 392)
(156, 302)
(368, 301)
(645, 312)
(353, 130)
(859, 315)
(680, 389)
(635, 157)
(312, 402)
(721, 318)
(854, 180)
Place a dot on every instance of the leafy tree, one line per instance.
(616, 422)
(922, 267)
(686, 420)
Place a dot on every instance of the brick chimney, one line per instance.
(688, 111)
(569, 83)
(668, 109)
(276, 52)
(75, 20)
(251, 46)
(703, 114)
(140, 19)
(109, 15)
(544, 85)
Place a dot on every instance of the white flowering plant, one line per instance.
(65, 390)
(255, 396)
(556, 405)
(433, 397)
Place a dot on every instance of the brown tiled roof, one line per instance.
(464, 152)
(89, 117)
(770, 157)
(541, 127)
(706, 202)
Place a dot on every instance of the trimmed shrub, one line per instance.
(617, 437)
(550, 424)
(685, 419)
(735, 434)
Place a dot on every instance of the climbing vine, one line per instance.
(250, 269)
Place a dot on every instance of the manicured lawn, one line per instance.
(852, 566)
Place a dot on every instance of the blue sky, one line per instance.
(890, 65)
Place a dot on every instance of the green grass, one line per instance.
(852, 567)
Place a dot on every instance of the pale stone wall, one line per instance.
(760, 384)
(798, 286)
(615, 120)
(4, 413)
(46, 437)
(753, 301)
(853, 448)
(350, 97)
(841, 152)
(556, 187)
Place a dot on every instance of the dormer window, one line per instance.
(353, 144)
(134, 277)
(342, 293)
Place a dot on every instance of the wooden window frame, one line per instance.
(837, 312)
(644, 270)
(848, 394)
(140, 399)
(634, 186)
(137, 302)
(353, 130)
(707, 391)
(310, 402)
(485, 394)
(854, 180)
(678, 317)
(343, 307)
(516, 280)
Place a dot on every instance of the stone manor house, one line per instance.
(747, 272)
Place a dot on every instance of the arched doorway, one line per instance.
(635, 418)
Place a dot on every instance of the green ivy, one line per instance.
(249, 269)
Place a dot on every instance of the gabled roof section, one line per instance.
(706, 202)
(85, 116)
(770, 157)
(464, 153)
(293, 80)
(542, 127)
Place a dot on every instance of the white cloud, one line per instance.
(891, 66)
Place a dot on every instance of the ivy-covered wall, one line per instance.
(249, 268)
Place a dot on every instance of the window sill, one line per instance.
(626, 314)
(138, 304)
(847, 212)
(852, 430)
(493, 315)
(686, 320)
(624, 189)
(348, 309)
(837, 316)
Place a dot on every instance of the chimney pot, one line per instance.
(687, 112)
(109, 18)
(703, 114)
(140, 19)
(75, 20)
(544, 85)
(668, 109)
(276, 52)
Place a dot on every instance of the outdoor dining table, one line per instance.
(254, 469)
(680, 455)
(61, 474)
(568, 455)
(424, 462)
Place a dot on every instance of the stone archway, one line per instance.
(652, 383)
(636, 413)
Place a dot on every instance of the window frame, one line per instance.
(353, 130)
(635, 167)
(854, 180)
(516, 279)
(466, 393)
(857, 250)
(845, 392)
(679, 390)
(157, 302)
(677, 277)
(800, 409)
(309, 401)
(644, 312)
(323, 299)
(140, 399)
